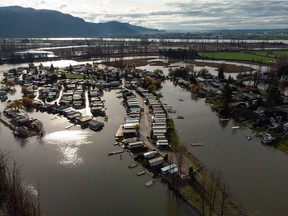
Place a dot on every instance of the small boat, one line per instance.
(132, 166)
(224, 119)
(140, 173)
(181, 99)
(235, 127)
(196, 144)
(69, 126)
(149, 183)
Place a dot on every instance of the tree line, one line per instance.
(179, 53)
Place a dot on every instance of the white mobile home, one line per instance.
(156, 161)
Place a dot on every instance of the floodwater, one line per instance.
(77, 177)
(256, 174)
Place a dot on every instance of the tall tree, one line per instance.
(226, 96)
(221, 72)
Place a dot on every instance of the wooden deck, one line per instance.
(149, 183)
(119, 132)
(116, 152)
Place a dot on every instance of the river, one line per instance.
(254, 173)
(77, 177)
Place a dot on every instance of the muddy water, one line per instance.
(77, 177)
(256, 174)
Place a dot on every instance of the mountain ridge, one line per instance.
(16, 21)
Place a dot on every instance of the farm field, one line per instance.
(238, 56)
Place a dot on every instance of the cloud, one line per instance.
(174, 14)
(234, 14)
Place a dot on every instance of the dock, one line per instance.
(119, 132)
(116, 143)
(69, 126)
(140, 173)
(149, 183)
(116, 152)
(132, 166)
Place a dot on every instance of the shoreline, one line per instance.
(199, 171)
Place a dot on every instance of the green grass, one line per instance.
(281, 52)
(237, 56)
(261, 53)
(272, 54)
(172, 134)
(70, 75)
(73, 75)
(282, 144)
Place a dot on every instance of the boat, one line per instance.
(132, 166)
(224, 119)
(196, 144)
(140, 173)
(235, 127)
(150, 183)
(69, 126)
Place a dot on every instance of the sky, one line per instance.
(186, 15)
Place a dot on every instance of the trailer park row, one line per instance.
(146, 145)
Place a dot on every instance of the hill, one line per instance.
(22, 22)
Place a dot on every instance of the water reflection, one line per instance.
(69, 143)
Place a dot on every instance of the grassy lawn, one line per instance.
(282, 144)
(261, 53)
(281, 52)
(172, 134)
(237, 56)
(272, 54)
(72, 75)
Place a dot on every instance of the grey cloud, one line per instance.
(195, 15)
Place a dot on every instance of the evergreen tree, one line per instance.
(221, 73)
(226, 96)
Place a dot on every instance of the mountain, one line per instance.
(22, 22)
